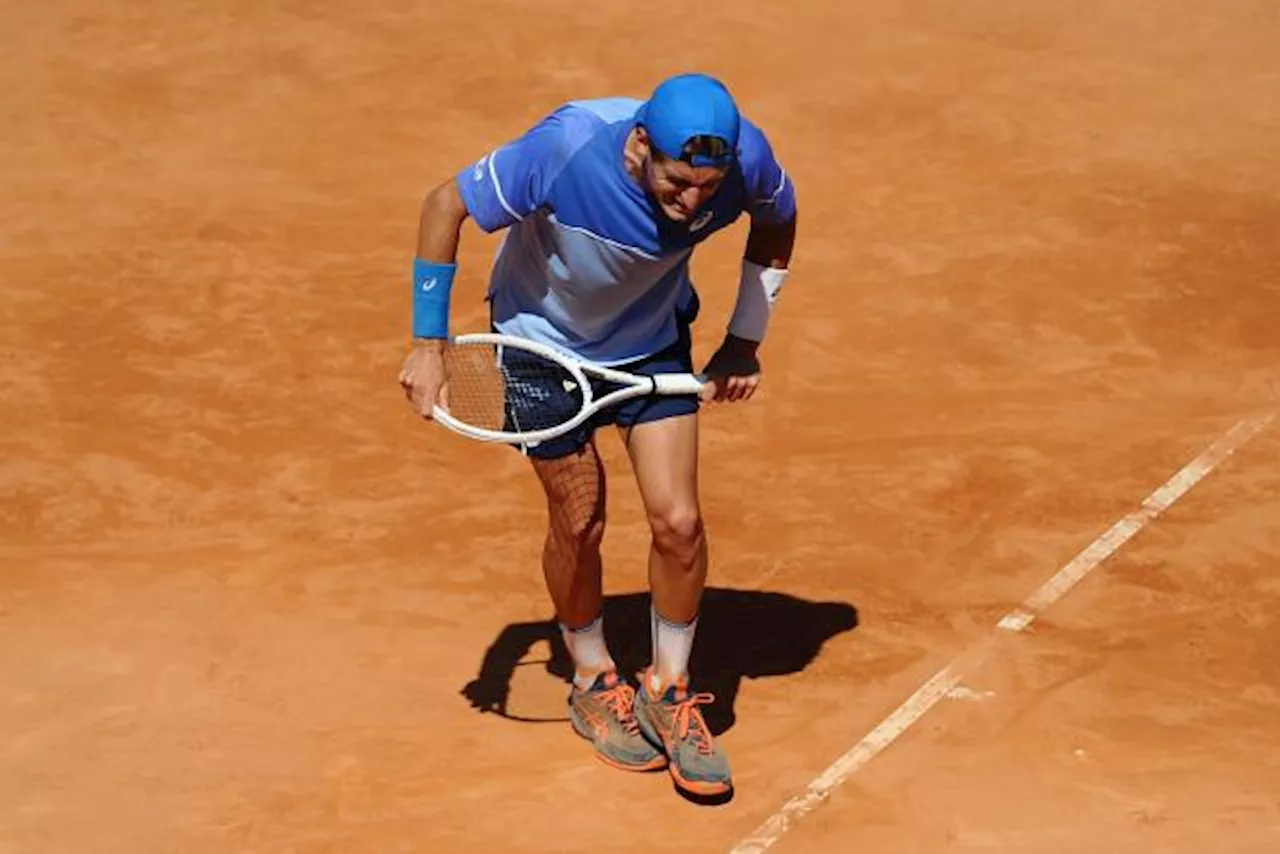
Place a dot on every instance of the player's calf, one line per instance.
(575, 493)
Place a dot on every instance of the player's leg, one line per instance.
(573, 480)
(601, 705)
(574, 485)
(664, 455)
(661, 436)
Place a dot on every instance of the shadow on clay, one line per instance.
(741, 633)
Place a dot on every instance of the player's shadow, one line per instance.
(741, 633)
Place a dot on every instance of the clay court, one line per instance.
(249, 602)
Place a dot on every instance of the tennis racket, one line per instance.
(506, 389)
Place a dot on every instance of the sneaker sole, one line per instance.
(703, 788)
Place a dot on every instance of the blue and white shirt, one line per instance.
(590, 264)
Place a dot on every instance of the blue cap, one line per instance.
(690, 105)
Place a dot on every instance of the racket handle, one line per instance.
(679, 383)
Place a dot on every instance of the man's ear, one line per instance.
(635, 155)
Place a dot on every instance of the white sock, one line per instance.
(672, 643)
(588, 651)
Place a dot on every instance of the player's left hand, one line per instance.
(734, 370)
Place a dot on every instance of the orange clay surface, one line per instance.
(250, 603)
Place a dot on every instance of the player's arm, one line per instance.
(435, 262)
(765, 267)
(773, 210)
(496, 191)
(765, 264)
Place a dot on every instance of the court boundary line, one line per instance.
(1063, 581)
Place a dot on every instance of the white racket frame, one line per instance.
(632, 386)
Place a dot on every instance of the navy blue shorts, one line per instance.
(678, 358)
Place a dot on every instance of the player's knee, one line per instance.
(590, 535)
(677, 530)
(581, 532)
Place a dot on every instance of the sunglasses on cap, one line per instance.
(705, 150)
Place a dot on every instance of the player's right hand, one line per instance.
(423, 380)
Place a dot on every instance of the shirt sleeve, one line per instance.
(513, 181)
(771, 196)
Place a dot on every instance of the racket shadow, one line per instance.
(741, 634)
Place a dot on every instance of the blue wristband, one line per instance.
(431, 285)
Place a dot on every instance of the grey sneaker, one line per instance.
(673, 721)
(604, 714)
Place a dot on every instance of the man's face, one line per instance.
(680, 188)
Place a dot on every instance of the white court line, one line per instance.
(946, 679)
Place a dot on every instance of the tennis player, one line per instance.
(603, 202)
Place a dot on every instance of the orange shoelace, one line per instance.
(688, 722)
(620, 700)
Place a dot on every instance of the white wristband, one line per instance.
(757, 292)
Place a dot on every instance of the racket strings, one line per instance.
(509, 389)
